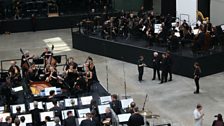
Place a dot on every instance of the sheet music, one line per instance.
(124, 117)
(2, 109)
(177, 34)
(86, 100)
(40, 105)
(105, 99)
(3, 116)
(64, 113)
(157, 28)
(51, 123)
(28, 118)
(44, 114)
(82, 112)
(23, 109)
(49, 105)
(17, 89)
(126, 102)
(68, 102)
(196, 31)
(102, 108)
(222, 27)
(47, 90)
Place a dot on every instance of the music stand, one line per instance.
(49, 105)
(38, 61)
(40, 105)
(102, 108)
(57, 58)
(124, 117)
(105, 99)
(86, 100)
(44, 114)
(82, 112)
(22, 106)
(3, 116)
(125, 103)
(69, 102)
(28, 118)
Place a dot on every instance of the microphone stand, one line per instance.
(125, 86)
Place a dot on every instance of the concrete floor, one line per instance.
(173, 101)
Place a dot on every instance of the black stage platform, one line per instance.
(44, 23)
(130, 49)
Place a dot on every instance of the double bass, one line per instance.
(48, 56)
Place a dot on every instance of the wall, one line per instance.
(216, 12)
(188, 7)
(157, 6)
(128, 4)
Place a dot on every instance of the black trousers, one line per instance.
(196, 80)
(140, 73)
(164, 76)
(170, 74)
(155, 70)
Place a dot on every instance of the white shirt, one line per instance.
(197, 118)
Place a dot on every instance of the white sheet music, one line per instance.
(64, 113)
(44, 114)
(13, 108)
(40, 105)
(222, 27)
(124, 117)
(86, 100)
(196, 31)
(28, 118)
(51, 123)
(105, 99)
(47, 90)
(102, 108)
(17, 89)
(3, 116)
(157, 28)
(2, 108)
(126, 102)
(68, 102)
(50, 105)
(177, 34)
(82, 112)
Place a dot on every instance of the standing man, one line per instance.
(141, 66)
(163, 64)
(197, 72)
(156, 65)
(169, 65)
(198, 115)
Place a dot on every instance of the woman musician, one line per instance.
(14, 73)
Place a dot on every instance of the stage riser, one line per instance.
(181, 66)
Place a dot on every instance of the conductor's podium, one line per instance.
(37, 87)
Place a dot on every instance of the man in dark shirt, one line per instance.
(156, 65)
(141, 66)
(56, 109)
(116, 104)
(36, 114)
(88, 121)
(70, 121)
(136, 119)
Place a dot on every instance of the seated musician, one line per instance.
(199, 39)
(53, 77)
(70, 62)
(173, 42)
(47, 56)
(107, 117)
(132, 108)
(32, 74)
(71, 75)
(14, 73)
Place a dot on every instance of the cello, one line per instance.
(51, 60)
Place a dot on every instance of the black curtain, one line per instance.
(168, 7)
(148, 4)
(204, 7)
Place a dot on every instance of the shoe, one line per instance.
(161, 83)
(196, 92)
(170, 80)
(153, 78)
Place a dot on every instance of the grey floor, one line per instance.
(173, 101)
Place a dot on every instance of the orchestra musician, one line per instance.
(14, 73)
(48, 57)
(53, 78)
(25, 63)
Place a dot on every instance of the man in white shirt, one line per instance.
(198, 115)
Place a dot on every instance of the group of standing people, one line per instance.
(162, 69)
(163, 64)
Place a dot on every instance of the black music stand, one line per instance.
(38, 61)
(57, 58)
